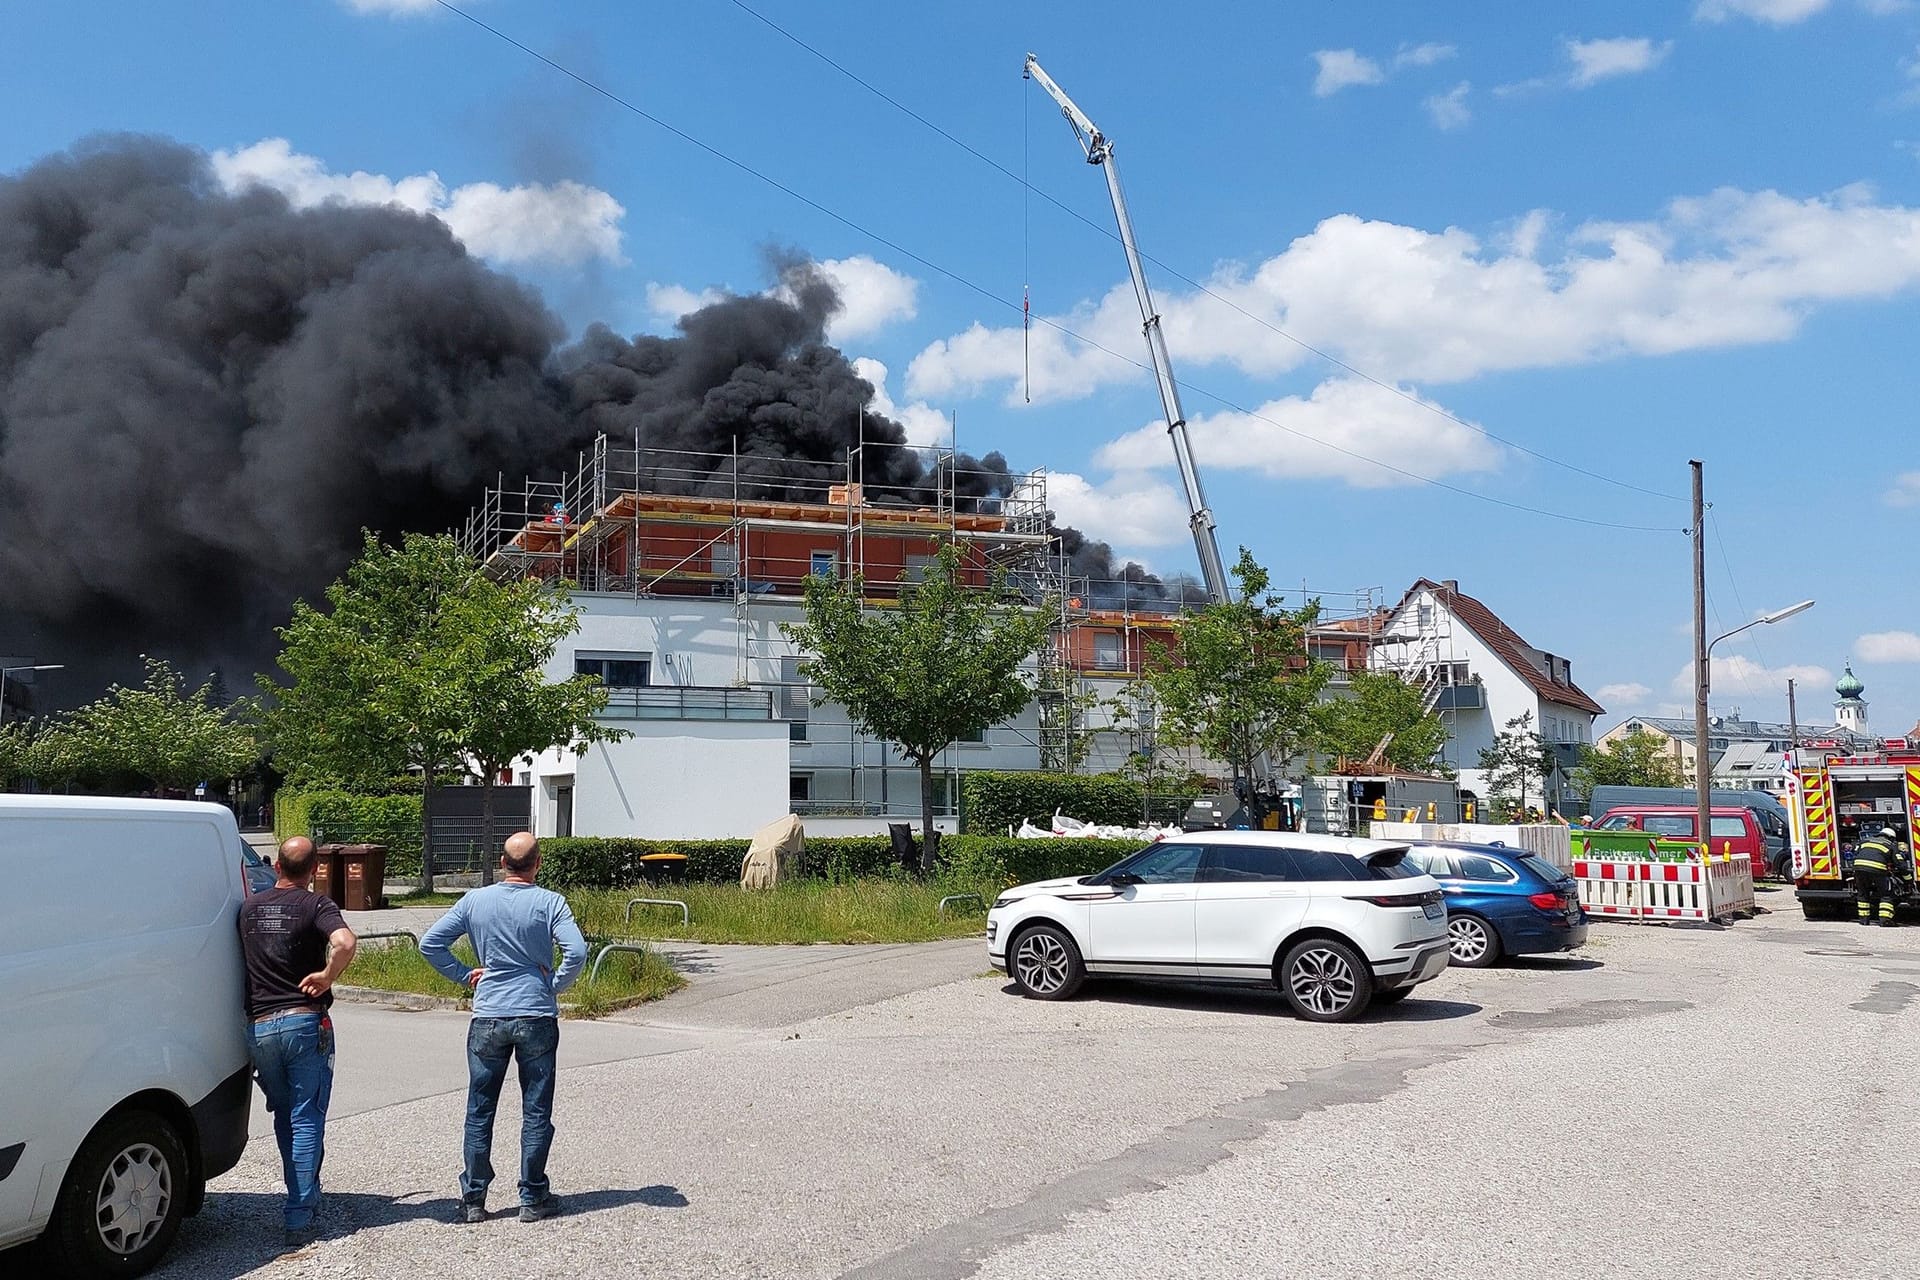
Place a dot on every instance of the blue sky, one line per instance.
(1619, 235)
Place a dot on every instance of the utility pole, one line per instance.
(1793, 722)
(1702, 675)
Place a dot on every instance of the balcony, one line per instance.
(677, 702)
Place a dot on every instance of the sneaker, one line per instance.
(301, 1237)
(539, 1209)
(473, 1213)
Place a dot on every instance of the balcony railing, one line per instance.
(676, 702)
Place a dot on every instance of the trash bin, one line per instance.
(362, 876)
(664, 868)
(326, 871)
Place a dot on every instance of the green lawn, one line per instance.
(625, 979)
(870, 910)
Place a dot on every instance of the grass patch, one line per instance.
(625, 979)
(865, 910)
(416, 898)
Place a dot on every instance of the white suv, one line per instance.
(1335, 923)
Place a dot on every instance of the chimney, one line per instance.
(1451, 586)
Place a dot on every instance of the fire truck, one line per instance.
(1834, 800)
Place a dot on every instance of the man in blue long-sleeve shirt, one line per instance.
(514, 926)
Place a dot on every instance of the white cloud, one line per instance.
(1449, 110)
(1622, 697)
(1732, 268)
(1736, 673)
(925, 424)
(1597, 60)
(1343, 69)
(1778, 13)
(393, 8)
(1130, 510)
(565, 222)
(1302, 438)
(1886, 8)
(872, 296)
(1888, 646)
(1905, 491)
(1423, 55)
(671, 301)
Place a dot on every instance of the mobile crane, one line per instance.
(1099, 150)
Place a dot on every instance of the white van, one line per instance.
(124, 1076)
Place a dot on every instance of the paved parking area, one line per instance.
(1668, 1103)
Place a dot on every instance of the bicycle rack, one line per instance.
(637, 948)
(408, 934)
(959, 897)
(686, 914)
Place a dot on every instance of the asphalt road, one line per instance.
(1669, 1103)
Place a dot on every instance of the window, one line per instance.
(1165, 864)
(917, 568)
(820, 565)
(1423, 616)
(616, 671)
(1108, 655)
(1241, 863)
(1315, 864)
(726, 559)
(1668, 824)
(796, 698)
(1730, 827)
(799, 788)
(973, 736)
(1430, 862)
(1481, 868)
(1619, 822)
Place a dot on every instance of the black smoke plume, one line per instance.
(204, 396)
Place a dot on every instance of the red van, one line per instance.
(1732, 830)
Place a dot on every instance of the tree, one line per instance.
(946, 663)
(1635, 759)
(1517, 757)
(424, 662)
(1380, 704)
(1239, 684)
(158, 733)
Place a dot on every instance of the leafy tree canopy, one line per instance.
(947, 662)
(1239, 684)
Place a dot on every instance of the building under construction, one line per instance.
(684, 567)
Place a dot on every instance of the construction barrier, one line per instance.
(1649, 889)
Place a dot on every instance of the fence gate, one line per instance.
(459, 838)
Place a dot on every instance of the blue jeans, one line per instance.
(491, 1044)
(293, 1060)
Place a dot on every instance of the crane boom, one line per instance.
(1099, 150)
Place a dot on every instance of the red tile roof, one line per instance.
(1506, 642)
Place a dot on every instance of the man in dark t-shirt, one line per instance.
(296, 944)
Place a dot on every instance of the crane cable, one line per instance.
(1026, 237)
(998, 300)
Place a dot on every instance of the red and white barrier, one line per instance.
(1641, 889)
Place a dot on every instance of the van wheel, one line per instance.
(123, 1199)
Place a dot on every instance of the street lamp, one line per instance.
(49, 666)
(1702, 683)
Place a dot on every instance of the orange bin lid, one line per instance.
(663, 857)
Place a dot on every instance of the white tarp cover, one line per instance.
(774, 855)
(1073, 827)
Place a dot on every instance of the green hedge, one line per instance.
(340, 817)
(992, 802)
(582, 862)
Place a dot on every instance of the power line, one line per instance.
(1177, 274)
(995, 298)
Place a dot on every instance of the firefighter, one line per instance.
(1873, 866)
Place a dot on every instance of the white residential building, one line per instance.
(1480, 675)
